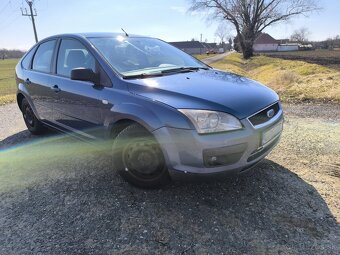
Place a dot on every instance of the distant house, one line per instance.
(210, 45)
(288, 47)
(196, 47)
(190, 47)
(283, 41)
(264, 42)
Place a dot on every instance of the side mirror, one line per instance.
(84, 74)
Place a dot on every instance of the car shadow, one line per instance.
(57, 195)
(23, 137)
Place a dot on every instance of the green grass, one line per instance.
(7, 80)
(293, 80)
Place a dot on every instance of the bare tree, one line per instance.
(4, 53)
(329, 43)
(332, 43)
(300, 35)
(251, 17)
(223, 32)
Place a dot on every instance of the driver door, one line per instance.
(79, 107)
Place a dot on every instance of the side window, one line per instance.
(72, 54)
(26, 62)
(43, 57)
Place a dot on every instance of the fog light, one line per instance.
(212, 160)
(223, 156)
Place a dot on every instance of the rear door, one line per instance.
(39, 80)
(80, 106)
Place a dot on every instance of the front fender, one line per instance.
(151, 115)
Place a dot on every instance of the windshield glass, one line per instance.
(142, 56)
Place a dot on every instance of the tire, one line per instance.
(138, 158)
(31, 121)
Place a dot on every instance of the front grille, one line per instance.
(261, 117)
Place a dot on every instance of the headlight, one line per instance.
(211, 121)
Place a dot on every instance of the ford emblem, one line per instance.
(270, 113)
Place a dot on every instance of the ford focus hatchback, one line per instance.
(162, 111)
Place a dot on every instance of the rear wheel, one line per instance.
(139, 159)
(31, 121)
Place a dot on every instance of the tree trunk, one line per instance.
(248, 50)
(246, 42)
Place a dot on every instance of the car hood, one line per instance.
(206, 89)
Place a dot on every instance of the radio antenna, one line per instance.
(126, 34)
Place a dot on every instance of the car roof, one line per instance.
(107, 34)
(94, 34)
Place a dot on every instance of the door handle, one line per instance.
(55, 88)
(27, 81)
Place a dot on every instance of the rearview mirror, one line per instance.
(84, 74)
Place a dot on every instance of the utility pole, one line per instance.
(32, 15)
(201, 45)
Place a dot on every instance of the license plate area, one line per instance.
(271, 133)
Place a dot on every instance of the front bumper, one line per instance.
(187, 151)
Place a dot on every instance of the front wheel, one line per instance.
(139, 159)
(31, 121)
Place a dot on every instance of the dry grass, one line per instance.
(202, 56)
(7, 99)
(7, 80)
(293, 80)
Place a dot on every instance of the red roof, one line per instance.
(265, 39)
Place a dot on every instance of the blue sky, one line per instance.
(166, 19)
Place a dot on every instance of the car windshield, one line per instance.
(138, 56)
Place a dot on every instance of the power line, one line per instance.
(32, 15)
(14, 5)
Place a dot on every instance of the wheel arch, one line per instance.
(128, 113)
(20, 97)
(118, 126)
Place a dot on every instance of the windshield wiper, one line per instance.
(183, 69)
(167, 71)
(141, 76)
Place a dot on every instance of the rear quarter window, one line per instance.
(26, 61)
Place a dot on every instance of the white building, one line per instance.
(265, 42)
(288, 47)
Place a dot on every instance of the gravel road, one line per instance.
(215, 58)
(59, 196)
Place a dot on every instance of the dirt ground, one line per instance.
(329, 58)
(310, 147)
(58, 196)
